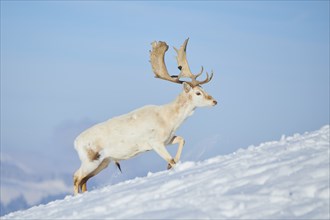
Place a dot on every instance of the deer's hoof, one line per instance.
(171, 164)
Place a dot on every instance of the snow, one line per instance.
(281, 179)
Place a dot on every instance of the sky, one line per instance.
(66, 65)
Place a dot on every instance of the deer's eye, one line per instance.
(198, 93)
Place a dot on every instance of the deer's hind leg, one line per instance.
(104, 164)
(82, 175)
(91, 166)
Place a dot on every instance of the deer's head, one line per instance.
(193, 87)
(198, 96)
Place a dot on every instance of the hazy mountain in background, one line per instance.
(21, 187)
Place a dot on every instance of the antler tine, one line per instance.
(208, 79)
(195, 82)
(157, 59)
(200, 73)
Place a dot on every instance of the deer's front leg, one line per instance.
(181, 142)
(161, 150)
(178, 140)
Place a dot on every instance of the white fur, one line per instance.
(147, 128)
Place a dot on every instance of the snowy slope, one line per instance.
(288, 178)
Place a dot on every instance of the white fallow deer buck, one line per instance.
(147, 128)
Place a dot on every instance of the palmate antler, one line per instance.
(157, 59)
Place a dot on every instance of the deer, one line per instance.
(151, 127)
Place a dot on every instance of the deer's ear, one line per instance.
(186, 87)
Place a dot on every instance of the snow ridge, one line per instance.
(288, 178)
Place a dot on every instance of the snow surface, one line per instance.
(282, 179)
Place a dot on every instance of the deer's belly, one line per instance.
(126, 149)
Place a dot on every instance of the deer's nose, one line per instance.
(215, 102)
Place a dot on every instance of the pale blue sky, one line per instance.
(68, 65)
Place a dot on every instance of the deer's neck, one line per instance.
(180, 109)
